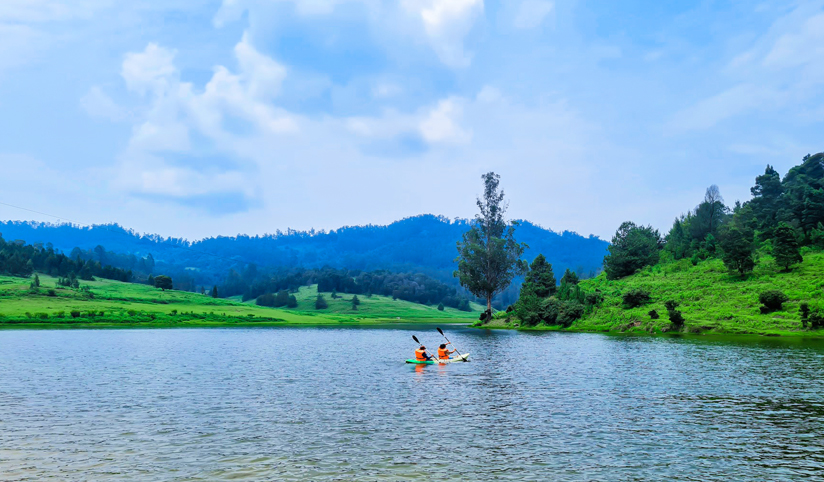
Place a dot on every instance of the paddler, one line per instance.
(421, 355)
(443, 352)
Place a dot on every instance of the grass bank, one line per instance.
(105, 304)
(711, 299)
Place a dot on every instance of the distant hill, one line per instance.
(424, 244)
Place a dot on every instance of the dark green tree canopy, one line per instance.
(786, 249)
(632, 248)
(163, 282)
(739, 252)
(488, 255)
(540, 279)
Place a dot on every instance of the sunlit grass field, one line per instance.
(113, 303)
(711, 298)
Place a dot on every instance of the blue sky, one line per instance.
(246, 116)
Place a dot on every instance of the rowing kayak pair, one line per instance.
(460, 358)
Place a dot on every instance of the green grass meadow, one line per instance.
(711, 298)
(113, 303)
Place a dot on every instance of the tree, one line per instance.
(786, 250)
(738, 250)
(675, 316)
(292, 302)
(163, 282)
(440, 307)
(214, 291)
(150, 280)
(320, 303)
(355, 300)
(540, 279)
(632, 248)
(569, 278)
(36, 282)
(488, 255)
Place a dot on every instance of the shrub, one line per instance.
(75, 313)
(654, 315)
(60, 314)
(131, 312)
(173, 312)
(804, 309)
(816, 320)
(51, 293)
(440, 308)
(569, 312)
(28, 315)
(674, 315)
(42, 316)
(320, 303)
(773, 300)
(636, 297)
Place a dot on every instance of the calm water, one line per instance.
(339, 404)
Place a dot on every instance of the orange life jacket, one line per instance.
(420, 355)
(443, 353)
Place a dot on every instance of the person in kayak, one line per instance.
(443, 352)
(421, 355)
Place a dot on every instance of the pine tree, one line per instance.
(540, 279)
(214, 291)
(320, 303)
(786, 250)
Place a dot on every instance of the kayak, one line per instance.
(462, 358)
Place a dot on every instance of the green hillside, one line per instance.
(114, 303)
(710, 297)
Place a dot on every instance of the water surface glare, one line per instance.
(340, 404)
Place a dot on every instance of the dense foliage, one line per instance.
(421, 244)
(252, 283)
(19, 259)
(489, 257)
(632, 248)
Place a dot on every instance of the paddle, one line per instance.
(421, 344)
(447, 340)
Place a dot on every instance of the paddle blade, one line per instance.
(440, 331)
(416, 339)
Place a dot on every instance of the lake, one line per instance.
(340, 404)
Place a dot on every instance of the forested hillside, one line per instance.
(422, 244)
(753, 267)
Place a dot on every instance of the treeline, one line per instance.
(20, 259)
(420, 244)
(272, 289)
(782, 216)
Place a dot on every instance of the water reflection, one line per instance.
(256, 404)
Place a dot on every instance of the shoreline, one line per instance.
(223, 324)
(640, 332)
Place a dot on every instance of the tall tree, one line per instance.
(214, 291)
(632, 248)
(786, 250)
(488, 255)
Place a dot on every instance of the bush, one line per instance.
(569, 312)
(51, 293)
(131, 312)
(441, 308)
(804, 310)
(654, 315)
(173, 312)
(320, 303)
(75, 313)
(60, 314)
(773, 300)
(636, 297)
(674, 315)
(43, 316)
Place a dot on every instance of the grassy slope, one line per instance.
(711, 299)
(153, 307)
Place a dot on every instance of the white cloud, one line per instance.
(446, 23)
(441, 125)
(532, 13)
(152, 70)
